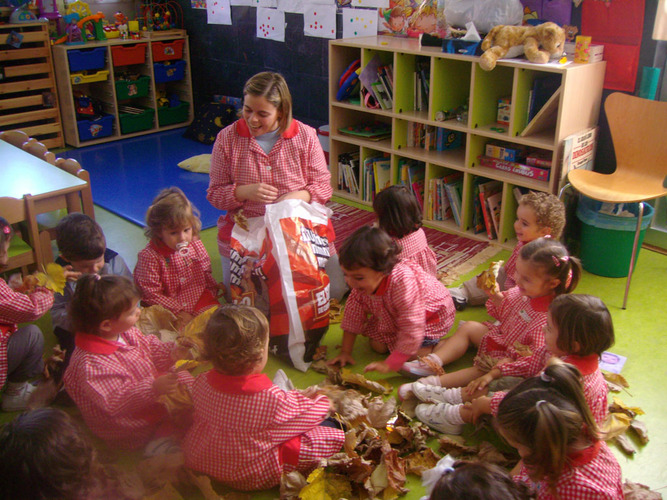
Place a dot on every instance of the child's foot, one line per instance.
(422, 367)
(442, 417)
(430, 380)
(405, 392)
(459, 297)
(16, 396)
(436, 394)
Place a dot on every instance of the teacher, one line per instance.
(266, 157)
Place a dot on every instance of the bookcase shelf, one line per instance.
(454, 81)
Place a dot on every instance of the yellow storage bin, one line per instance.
(84, 77)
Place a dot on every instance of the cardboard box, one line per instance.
(537, 173)
(504, 109)
(595, 51)
(506, 152)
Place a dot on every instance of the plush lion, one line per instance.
(538, 43)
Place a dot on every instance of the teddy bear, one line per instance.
(538, 43)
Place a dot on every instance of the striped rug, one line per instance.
(456, 255)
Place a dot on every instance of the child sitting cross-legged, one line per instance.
(174, 270)
(578, 330)
(116, 373)
(395, 303)
(538, 215)
(246, 431)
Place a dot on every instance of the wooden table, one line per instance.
(22, 173)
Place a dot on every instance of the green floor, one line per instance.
(640, 335)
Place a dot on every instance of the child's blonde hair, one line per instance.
(235, 339)
(272, 87)
(171, 209)
(549, 416)
(584, 324)
(552, 257)
(6, 234)
(549, 211)
(98, 298)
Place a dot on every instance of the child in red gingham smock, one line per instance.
(544, 270)
(538, 215)
(578, 330)
(548, 413)
(174, 270)
(20, 348)
(409, 309)
(116, 373)
(266, 157)
(400, 216)
(246, 431)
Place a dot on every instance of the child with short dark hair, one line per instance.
(409, 309)
(400, 216)
(174, 270)
(83, 249)
(21, 349)
(44, 454)
(538, 215)
(246, 431)
(116, 373)
(548, 421)
(478, 481)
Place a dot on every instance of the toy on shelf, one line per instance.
(22, 13)
(173, 101)
(74, 35)
(121, 24)
(91, 25)
(86, 107)
(161, 15)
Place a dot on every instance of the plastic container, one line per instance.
(167, 51)
(168, 115)
(129, 89)
(82, 77)
(95, 129)
(83, 59)
(130, 122)
(169, 72)
(123, 55)
(606, 240)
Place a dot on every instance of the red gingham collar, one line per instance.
(582, 457)
(244, 384)
(586, 364)
(95, 344)
(383, 286)
(243, 130)
(541, 304)
(159, 246)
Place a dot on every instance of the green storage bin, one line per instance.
(129, 89)
(130, 122)
(606, 240)
(168, 115)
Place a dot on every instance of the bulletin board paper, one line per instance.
(271, 24)
(219, 12)
(269, 4)
(320, 21)
(296, 6)
(378, 4)
(359, 22)
(244, 3)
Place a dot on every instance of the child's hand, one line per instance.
(15, 281)
(480, 406)
(341, 360)
(181, 348)
(71, 274)
(165, 384)
(496, 296)
(378, 366)
(479, 383)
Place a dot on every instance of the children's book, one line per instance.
(494, 202)
(487, 189)
(477, 216)
(453, 190)
(373, 131)
(382, 170)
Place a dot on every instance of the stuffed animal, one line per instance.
(538, 43)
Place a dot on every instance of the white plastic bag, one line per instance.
(484, 13)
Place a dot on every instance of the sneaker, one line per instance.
(442, 417)
(16, 396)
(459, 297)
(281, 380)
(418, 368)
(430, 380)
(405, 392)
(436, 394)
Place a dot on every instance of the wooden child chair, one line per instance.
(27, 245)
(14, 137)
(38, 149)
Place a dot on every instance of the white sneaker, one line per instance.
(431, 380)
(442, 417)
(435, 394)
(418, 368)
(405, 392)
(16, 396)
(282, 380)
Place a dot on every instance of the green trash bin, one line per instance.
(606, 240)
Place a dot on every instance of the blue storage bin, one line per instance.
(83, 59)
(169, 72)
(95, 129)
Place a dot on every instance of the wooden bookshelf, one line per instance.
(454, 81)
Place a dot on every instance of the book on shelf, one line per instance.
(543, 88)
(537, 173)
(494, 203)
(369, 74)
(486, 190)
(477, 215)
(373, 131)
(453, 190)
(418, 190)
(382, 95)
(387, 82)
(382, 171)
(579, 150)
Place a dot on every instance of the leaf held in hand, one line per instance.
(53, 278)
(357, 379)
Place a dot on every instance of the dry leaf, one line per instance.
(455, 446)
(203, 483)
(486, 280)
(395, 468)
(522, 349)
(357, 379)
(335, 311)
(380, 411)
(618, 406)
(419, 461)
(53, 278)
(291, 484)
(320, 353)
(641, 430)
(241, 220)
(615, 425)
(159, 321)
(485, 362)
(185, 364)
(615, 381)
(637, 491)
(436, 368)
(625, 445)
(323, 485)
(489, 453)
(355, 468)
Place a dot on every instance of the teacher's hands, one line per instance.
(261, 193)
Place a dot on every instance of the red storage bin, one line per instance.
(167, 51)
(128, 54)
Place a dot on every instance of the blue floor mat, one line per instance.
(126, 175)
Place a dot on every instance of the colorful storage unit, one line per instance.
(130, 89)
(169, 71)
(167, 51)
(86, 59)
(136, 121)
(124, 55)
(88, 77)
(95, 129)
(169, 115)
